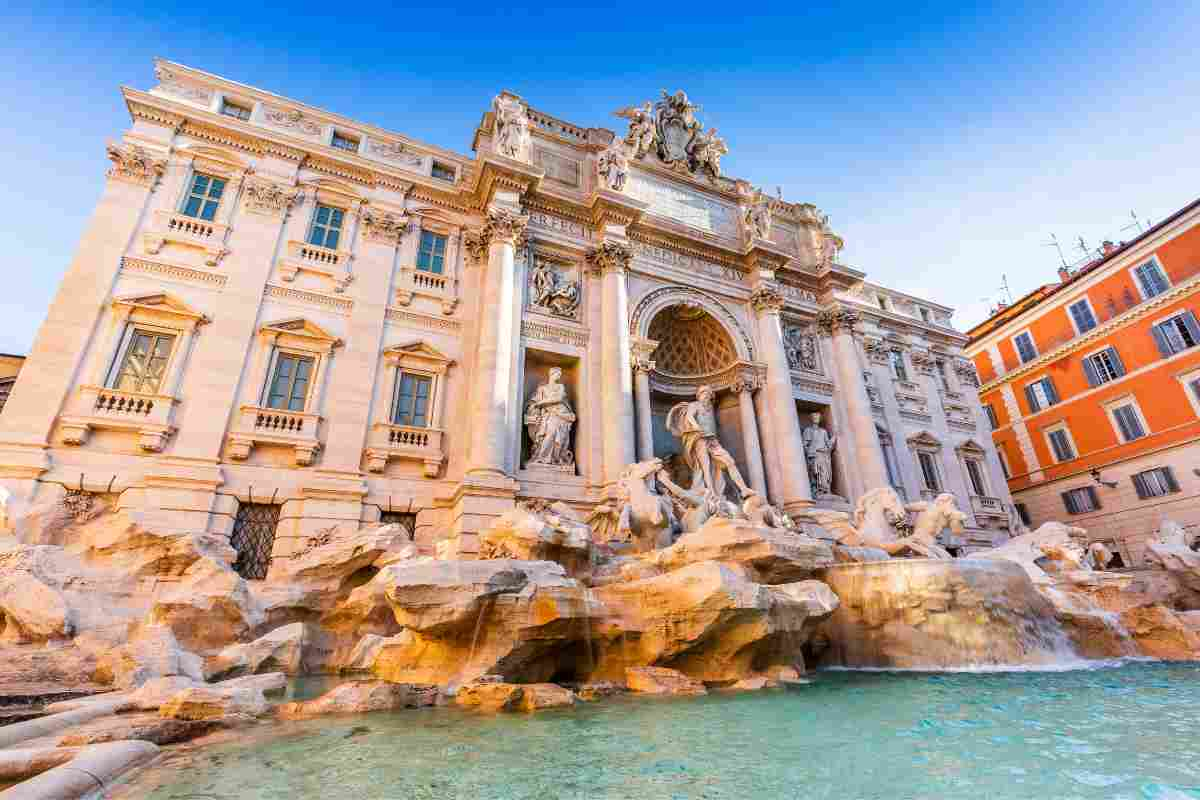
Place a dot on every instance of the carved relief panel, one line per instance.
(555, 287)
(800, 345)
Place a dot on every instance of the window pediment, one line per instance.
(301, 333)
(160, 306)
(971, 448)
(924, 440)
(214, 160)
(334, 192)
(418, 355)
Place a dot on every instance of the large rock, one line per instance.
(1029, 549)
(209, 608)
(524, 620)
(660, 680)
(550, 533)
(770, 555)
(151, 652)
(144, 726)
(496, 696)
(926, 613)
(281, 650)
(1161, 633)
(360, 697)
(210, 702)
(31, 611)
(708, 621)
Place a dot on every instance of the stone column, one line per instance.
(611, 259)
(642, 367)
(499, 307)
(867, 456)
(745, 387)
(782, 425)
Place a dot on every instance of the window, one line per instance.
(412, 400)
(289, 384)
(941, 373)
(991, 416)
(144, 362)
(431, 255)
(1150, 279)
(344, 142)
(442, 172)
(1025, 349)
(1061, 444)
(235, 110)
(253, 539)
(929, 472)
(1082, 316)
(1004, 462)
(5, 390)
(1081, 500)
(1176, 334)
(1041, 394)
(925, 314)
(898, 365)
(975, 474)
(326, 227)
(1128, 422)
(882, 301)
(1155, 482)
(1103, 367)
(203, 197)
(1023, 514)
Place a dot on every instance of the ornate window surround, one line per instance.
(986, 504)
(329, 262)
(300, 430)
(416, 283)
(926, 442)
(170, 226)
(388, 440)
(97, 406)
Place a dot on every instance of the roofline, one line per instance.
(1087, 269)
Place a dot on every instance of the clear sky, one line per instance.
(947, 140)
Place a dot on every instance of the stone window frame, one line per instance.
(925, 442)
(1137, 283)
(169, 225)
(1054, 427)
(1186, 380)
(213, 163)
(300, 255)
(972, 451)
(159, 313)
(1071, 316)
(309, 341)
(412, 282)
(1110, 409)
(390, 440)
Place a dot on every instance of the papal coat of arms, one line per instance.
(671, 130)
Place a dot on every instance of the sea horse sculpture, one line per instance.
(639, 514)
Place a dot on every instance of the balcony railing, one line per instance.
(172, 227)
(413, 282)
(257, 425)
(305, 257)
(388, 441)
(101, 408)
(988, 506)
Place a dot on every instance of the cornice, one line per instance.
(557, 206)
(497, 173)
(670, 240)
(1100, 331)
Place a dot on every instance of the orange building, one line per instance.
(1092, 386)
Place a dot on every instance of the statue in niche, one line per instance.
(695, 424)
(613, 166)
(819, 445)
(548, 418)
(640, 136)
(512, 128)
(801, 349)
(552, 292)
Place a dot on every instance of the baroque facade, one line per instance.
(1092, 384)
(281, 318)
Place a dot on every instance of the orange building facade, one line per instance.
(1092, 386)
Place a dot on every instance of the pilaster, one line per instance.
(611, 259)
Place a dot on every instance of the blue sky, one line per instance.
(947, 141)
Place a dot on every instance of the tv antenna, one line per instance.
(1135, 225)
(1083, 248)
(1054, 243)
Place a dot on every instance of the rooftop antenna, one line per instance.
(1087, 251)
(1135, 225)
(1004, 286)
(1054, 243)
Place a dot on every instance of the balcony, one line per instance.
(414, 282)
(328, 262)
(171, 227)
(988, 506)
(274, 426)
(388, 441)
(98, 408)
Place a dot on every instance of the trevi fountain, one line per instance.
(699, 617)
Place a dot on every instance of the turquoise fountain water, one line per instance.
(1124, 732)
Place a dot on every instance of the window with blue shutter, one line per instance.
(1103, 367)
(1041, 394)
(1061, 444)
(1128, 422)
(1081, 313)
(1025, 349)
(1081, 500)
(1177, 334)
(1151, 279)
(1155, 483)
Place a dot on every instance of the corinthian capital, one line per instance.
(504, 226)
(610, 256)
(837, 320)
(133, 164)
(476, 245)
(747, 381)
(766, 299)
(269, 198)
(384, 226)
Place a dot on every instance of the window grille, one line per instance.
(405, 519)
(254, 539)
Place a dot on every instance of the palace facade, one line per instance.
(280, 319)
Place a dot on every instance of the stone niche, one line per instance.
(805, 409)
(538, 364)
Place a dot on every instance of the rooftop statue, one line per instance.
(671, 130)
(512, 128)
(640, 137)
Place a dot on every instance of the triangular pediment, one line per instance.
(971, 447)
(300, 326)
(924, 439)
(420, 349)
(160, 302)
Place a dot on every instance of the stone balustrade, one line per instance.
(305, 257)
(257, 425)
(100, 408)
(414, 282)
(172, 227)
(388, 441)
(988, 506)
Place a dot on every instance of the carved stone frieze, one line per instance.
(876, 350)
(831, 321)
(293, 119)
(800, 346)
(766, 299)
(397, 152)
(609, 256)
(384, 226)
(174, 84)
(553, 290)
(640, 351)
(269, 198)
(747, 380)
(551, 222)
(475, 244)
(922, 362)
(966, 372)
(133, 164)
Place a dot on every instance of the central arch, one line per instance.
(654, 302)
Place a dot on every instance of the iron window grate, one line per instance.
(254, 538)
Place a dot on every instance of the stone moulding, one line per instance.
(532, 329)
(173, 272)
(328, 302)
(404, 317)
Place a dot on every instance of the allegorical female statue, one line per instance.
(819, 445)
(548, 418)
